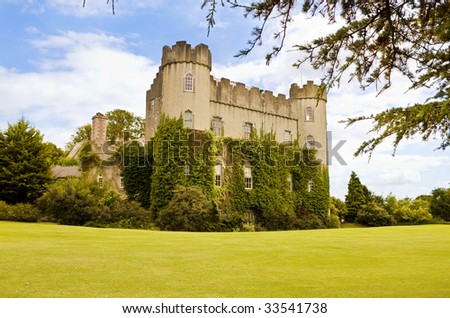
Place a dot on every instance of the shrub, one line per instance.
(72, 201)
(333, 222)
(3, 210)
(83, 202)
(23, 212)
(20, 212)
(123, 214)
(372, 214)
(230, 222)
(412, 212)
(310, 221)
(188, 210)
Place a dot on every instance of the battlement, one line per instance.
(227, 92)
(309, 90)
(182, 52)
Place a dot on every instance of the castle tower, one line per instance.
(181, 85)
(312, 117)
(98, 134)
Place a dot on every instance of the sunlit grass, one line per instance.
(47, 260)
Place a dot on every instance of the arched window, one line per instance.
(309, 114)
(188, 119)
(310, 142)
(100, 180)
(189, 83)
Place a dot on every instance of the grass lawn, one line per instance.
(48, 260)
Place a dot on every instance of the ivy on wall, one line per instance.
(136, 169)
(170, 157)
(289, 189)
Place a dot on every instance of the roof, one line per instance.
(64, 172)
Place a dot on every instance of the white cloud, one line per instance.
(78, 75)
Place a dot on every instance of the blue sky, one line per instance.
(61, 63)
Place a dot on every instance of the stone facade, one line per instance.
(184, 87)
(98, 134)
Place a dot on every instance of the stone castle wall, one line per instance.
(235, 103)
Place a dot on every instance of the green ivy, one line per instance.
(88, 158)
(170, 156)
(137, 171)
(271, 204)
(202, 152)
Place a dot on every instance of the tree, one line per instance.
(440, 203)
(378, 38)
(356, 197)
(338, 207)
(412, 211)
(25, 162)
(56, 153)
(123, 125)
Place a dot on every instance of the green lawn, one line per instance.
(47, 260)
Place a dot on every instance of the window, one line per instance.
(188, 83)
(100, 181)
(121, 182)
(289, 182)
(248, 178)
(248, 130)
(187, 170)
(309, 114)
(218, 174)
(188, 119)
(310, 185)
(217, 126)
(310, 142)
(287, 136)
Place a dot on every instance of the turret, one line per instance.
(182, 52)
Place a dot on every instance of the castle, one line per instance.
(184, 87)
(278, 193)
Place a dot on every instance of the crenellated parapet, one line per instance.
(182, 52)
(307, 91)
(226, 92)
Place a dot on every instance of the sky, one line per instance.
(61, 63)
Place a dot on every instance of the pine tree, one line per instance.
(355, 197)
(25, 162)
